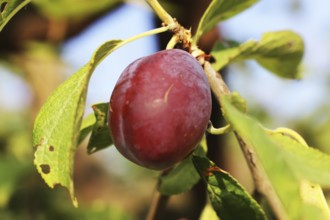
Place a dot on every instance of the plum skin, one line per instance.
(160, 108)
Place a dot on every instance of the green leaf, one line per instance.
(220, 10)
(96, 123)
(182, 177)
(279, 52)
(100, 137)
(86, 127)
(228, 197)
(308, 163)
(281, 167)
(8, 8)
(54, 133)
(237, 101)
(56, 128)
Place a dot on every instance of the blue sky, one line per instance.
(121, 24)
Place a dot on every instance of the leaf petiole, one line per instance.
(128, 40)
(217, 131)
(171, 44)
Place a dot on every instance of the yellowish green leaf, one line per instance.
(56, 128)
(220, 10)
(283, 160)
(279, 52)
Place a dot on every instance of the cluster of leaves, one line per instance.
(292, 172)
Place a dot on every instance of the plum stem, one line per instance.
(171, 44)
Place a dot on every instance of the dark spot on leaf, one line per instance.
(289, 44)
(58, 185)
(51, 148)
(45, 168)
(35, 148)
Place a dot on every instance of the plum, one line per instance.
(160, 108)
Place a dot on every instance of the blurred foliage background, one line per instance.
(31, 62)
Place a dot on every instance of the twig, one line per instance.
(218, 86)
(159, 201)
(158, 204)
(262, 183)
(161, 13)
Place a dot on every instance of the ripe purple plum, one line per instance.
(160, 108)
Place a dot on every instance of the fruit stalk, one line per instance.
(171, 44)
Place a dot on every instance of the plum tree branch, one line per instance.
(161, 13)
(218, 86)
(157, 205)
(159, 200)
(180, 34)
(262, 184)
